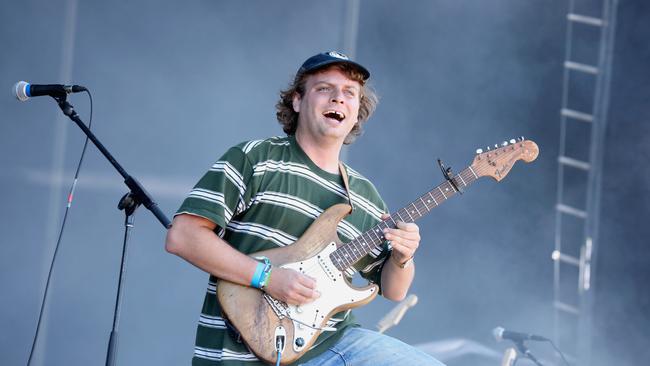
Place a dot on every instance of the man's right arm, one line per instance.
(193, 239)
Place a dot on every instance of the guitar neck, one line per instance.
(348, 254)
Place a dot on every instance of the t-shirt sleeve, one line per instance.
(222, 191)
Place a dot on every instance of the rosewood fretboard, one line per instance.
(348, 254)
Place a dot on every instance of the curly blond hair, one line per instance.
(288, 118)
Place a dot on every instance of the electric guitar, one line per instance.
(267, 325)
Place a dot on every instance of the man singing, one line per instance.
(264, 194)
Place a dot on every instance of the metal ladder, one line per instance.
(585, 98)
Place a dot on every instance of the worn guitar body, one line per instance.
(260, 320)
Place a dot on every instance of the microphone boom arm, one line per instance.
(138, 193)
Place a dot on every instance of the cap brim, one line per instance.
(324, 63)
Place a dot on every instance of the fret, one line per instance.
(400, 217)
(416, 209)
(472, 170)
(376, 231)
(461, 178)
(440, 196)
(340, 251)
(375, 241)
(343, 259)
(341, 263)
(355, 251)
(448, 185)
(433, 198)
(336, 259)
(368, 246)
(408, 214)
(424, 203)
(378, 242)
(363, 244)
(443, 193)
(363, 241)
(468, 177)
(389, 223)
(348, 252)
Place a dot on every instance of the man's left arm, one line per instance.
(399, 269)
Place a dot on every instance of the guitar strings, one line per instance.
(350, 251)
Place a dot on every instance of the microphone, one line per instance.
(501, 334)
(24, 90)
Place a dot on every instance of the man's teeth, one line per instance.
(335, 115)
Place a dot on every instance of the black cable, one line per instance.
(58, 241)
(560, 352)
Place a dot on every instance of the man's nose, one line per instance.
(337, 96)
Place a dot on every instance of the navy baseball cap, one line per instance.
(328, 58)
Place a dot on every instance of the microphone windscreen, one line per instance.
(20, 91)
(498, 333)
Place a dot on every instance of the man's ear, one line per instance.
(296, 102)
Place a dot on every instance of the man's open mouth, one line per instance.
(334, 115)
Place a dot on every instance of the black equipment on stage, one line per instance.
(518, 339)
(500, 334)
(128, 203)
(23, 90)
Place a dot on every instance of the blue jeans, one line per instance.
(360, 346)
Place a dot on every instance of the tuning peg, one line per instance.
(513, 141)
(488, 148)
(479, 151)
(496, 146)
(521, 138)
(505, 143)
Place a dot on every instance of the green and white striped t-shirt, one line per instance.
(264, 194)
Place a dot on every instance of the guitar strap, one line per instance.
(346, 183)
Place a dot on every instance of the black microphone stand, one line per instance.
(129, 203)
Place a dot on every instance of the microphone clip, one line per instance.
(521, 347)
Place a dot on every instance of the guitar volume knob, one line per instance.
(300, 342)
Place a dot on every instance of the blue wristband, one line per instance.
(266, 276)
(255, 281)
(261, 273)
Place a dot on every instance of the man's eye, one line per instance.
(350, 93)
(323, 88)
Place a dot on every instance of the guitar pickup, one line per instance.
(329, 269)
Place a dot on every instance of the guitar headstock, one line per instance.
(497, 161)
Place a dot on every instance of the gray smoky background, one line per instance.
(176, 83)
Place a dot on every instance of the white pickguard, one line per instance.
(334, 289)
